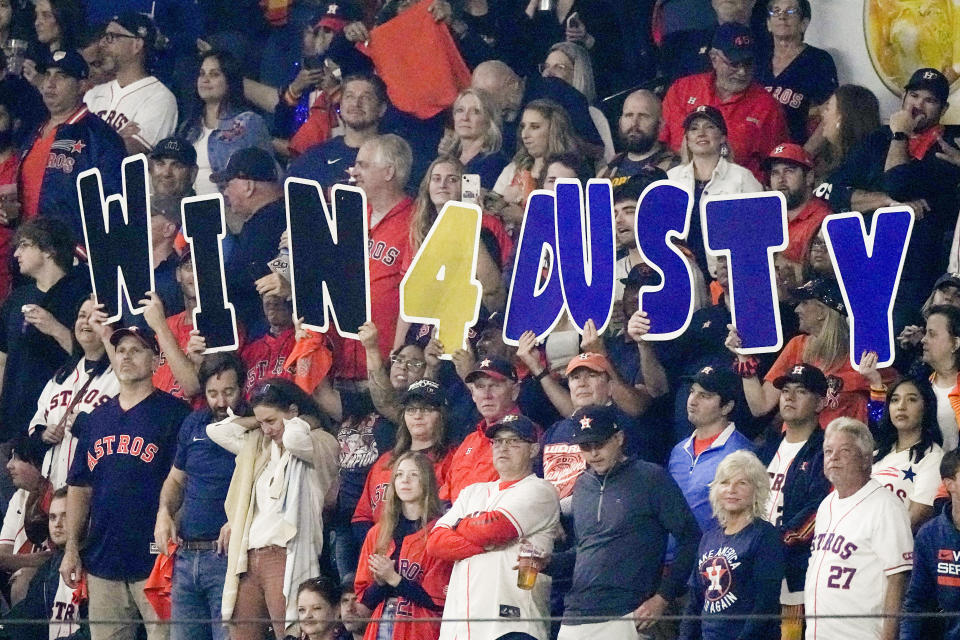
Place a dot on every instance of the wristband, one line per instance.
(289, 97)
(747, 368)
(878, 393)
(543, 374)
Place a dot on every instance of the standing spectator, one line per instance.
(862, 548)
(907, 459)
(194, 492)
(606, 582)
(797, 484)
(285, 468)
(218, 122)
(482, 535)
(71, 141)
(318, 608)
(708, 170)
(57, 24)
(797, 75)
(266, 357)
(755, 119)
(173, 168)
(694, 461)
(80, 386)
(36, 339)
(399, 541)
(846, 118)
(933, 585)
(791, 173)
(177, 371)
(125, 451)
(135, 104)
(741, 560)
(9, 199)
(477, 139)
(941, 351)
(639, 131)
(165, 221)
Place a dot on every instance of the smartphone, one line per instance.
(573, 22)
(313, 62)
(470, 188)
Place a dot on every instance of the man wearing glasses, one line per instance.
(755, 121)
(483, 534)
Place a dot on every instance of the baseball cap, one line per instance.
(807, 375)
(68, 61)
(707, 112)
(735, 41)
(29, 450)
(166, 206)
(176, 149)
(717, 380)
(251, 163)
(825, 290)
(788, 152)
(594, 424)
(335, 16)
(143, 335)
(931, 80)
(496, 368)
(949, 280)
(139, 25)
(425, 391)
(589, 360)
(639, 276)
(520, 425)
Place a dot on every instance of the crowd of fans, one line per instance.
(304, 482)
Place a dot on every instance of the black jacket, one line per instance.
(40, 604)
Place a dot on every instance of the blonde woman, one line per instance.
(740, 564)
(477, 138)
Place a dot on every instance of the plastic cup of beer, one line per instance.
(529, 564)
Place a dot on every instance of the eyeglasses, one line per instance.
(818, 245)
(562, 68)
(111, 36)
(776, 13)
(419, 411)
(25, 244)
(507, 443)
(587, 447)
(410, 365)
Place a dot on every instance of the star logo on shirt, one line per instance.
(706, 324)
(77, 146)
(909, 474)
(585, 422)
(485, 363)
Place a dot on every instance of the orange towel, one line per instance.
(160, 582)
(310, 361)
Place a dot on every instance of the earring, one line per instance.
(724, 150)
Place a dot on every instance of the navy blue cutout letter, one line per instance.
(117, 233)
(535, 301)
(868, 271)
(586, 250)
(748, 230)
(663, 213)
(328, 256)
(204, 227)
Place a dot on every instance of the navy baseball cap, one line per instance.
(138, 24)
(825, 290)
(520, 425)
(252, 163)
(143, 335)
(735, 41)
(931, 80)
(706, 112)
(176, 149)
(496, 368)
(719, 380)
(639, 276)
(336, 15)
(807, 375)
(68, 61)
(594, 424)
(948, 280)
(424, 391)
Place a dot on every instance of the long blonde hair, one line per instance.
(424, 211)
(493, 136)
(430, 508)
(830, 347)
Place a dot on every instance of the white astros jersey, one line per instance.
(485, 585)
(908, 480)
(858, 542)
(147, 102)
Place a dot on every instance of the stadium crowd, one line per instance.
(304, 483)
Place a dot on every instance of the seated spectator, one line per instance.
(946, 291)
(19, 555)
(846, 118)
(566, 165)
(871, 529)
(422, 429)
(135, 104)
(791, 173)
(755, 119)
(570, 62)
(799, 76)
(817, 262)
(9, 200)
(266, 356)
(940, 352)
(907, 459)
(318, 608)
(931, 588)
(84, 383)
(48, 596)
(740, 559)
(173, 168)
(353, 620)
(397, 541)
(482, 535)
(218, 120)
(36, 339)
(709, 168)
(57, 25)
(639, 130)
(484, 31)
(823, 343)
(477, 139)
(89, 48)
(694, 461)
(271, 527)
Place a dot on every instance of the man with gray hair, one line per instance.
(862, 547)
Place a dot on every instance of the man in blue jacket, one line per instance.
(935, 581)
(623, 511)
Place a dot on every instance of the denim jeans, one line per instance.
(197, 589)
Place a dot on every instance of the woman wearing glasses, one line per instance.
(797, 75)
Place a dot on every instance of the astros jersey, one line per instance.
(65, 613)
(777, 470)
(145, 102)
(266, 357)
(858, 542)
(908, 480)
(13, 531)
(180, 325)
(485, 585)
(378, 479)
